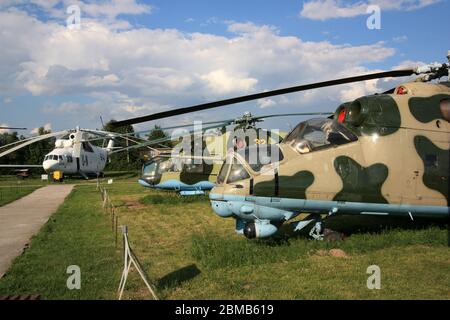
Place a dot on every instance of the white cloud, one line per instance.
(265, 103)
(220, 81)
(400, 39)
(356, 90)
(125, 73)
(331, 9)
(111, 9)
(250, 28)
(106, 11)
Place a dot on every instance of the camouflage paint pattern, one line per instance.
(213, 146)
(400, 157)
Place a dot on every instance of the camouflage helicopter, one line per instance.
(344, 164)
(181, 173)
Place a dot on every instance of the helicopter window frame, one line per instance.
(159, 167)
(244, 156)
(237, 172)
(226, 166)
(165, 165)
(147, 165)
(318, 134)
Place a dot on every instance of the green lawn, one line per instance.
(190, 253)
(77, 234)
(13, 188)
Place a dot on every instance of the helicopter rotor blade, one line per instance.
(170, 138)
(12, 128)
(31, 141)
(294, 114)
(261, 95)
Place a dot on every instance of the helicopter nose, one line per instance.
(221, 208)
(50, 165)
(145, 183)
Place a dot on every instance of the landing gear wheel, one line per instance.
(331, 235)
(316, 231)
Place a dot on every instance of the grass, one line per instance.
(190, 253)
(214, 251)
(171, 198)
(77, 234)
(13, 188)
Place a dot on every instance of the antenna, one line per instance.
(101, 120)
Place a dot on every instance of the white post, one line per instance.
(128, 259)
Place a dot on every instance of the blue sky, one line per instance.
(137, 57)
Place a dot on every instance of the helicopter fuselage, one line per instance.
(91, 162)
(188, 179)
(379, 155)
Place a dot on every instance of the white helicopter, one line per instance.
(74, 155)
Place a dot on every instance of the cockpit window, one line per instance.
(237, 172)
(223, 172)
(157, 166)
(165, 166)
(318, 133)
(149, 168)
(259, 155)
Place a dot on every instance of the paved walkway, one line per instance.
(21, 219)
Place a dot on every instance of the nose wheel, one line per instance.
(316, 231)
(319, 233)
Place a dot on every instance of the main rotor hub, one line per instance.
(434, 70)
(247, 121)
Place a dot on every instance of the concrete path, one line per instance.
(21, 219)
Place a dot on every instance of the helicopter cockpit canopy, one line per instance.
(154, 168)
(255, 156)
(318, 133)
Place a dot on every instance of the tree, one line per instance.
(15, 157)
(124, 160)
(157, 133)
(35, 153)
(30, 155)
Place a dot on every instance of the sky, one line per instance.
(129, 58)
